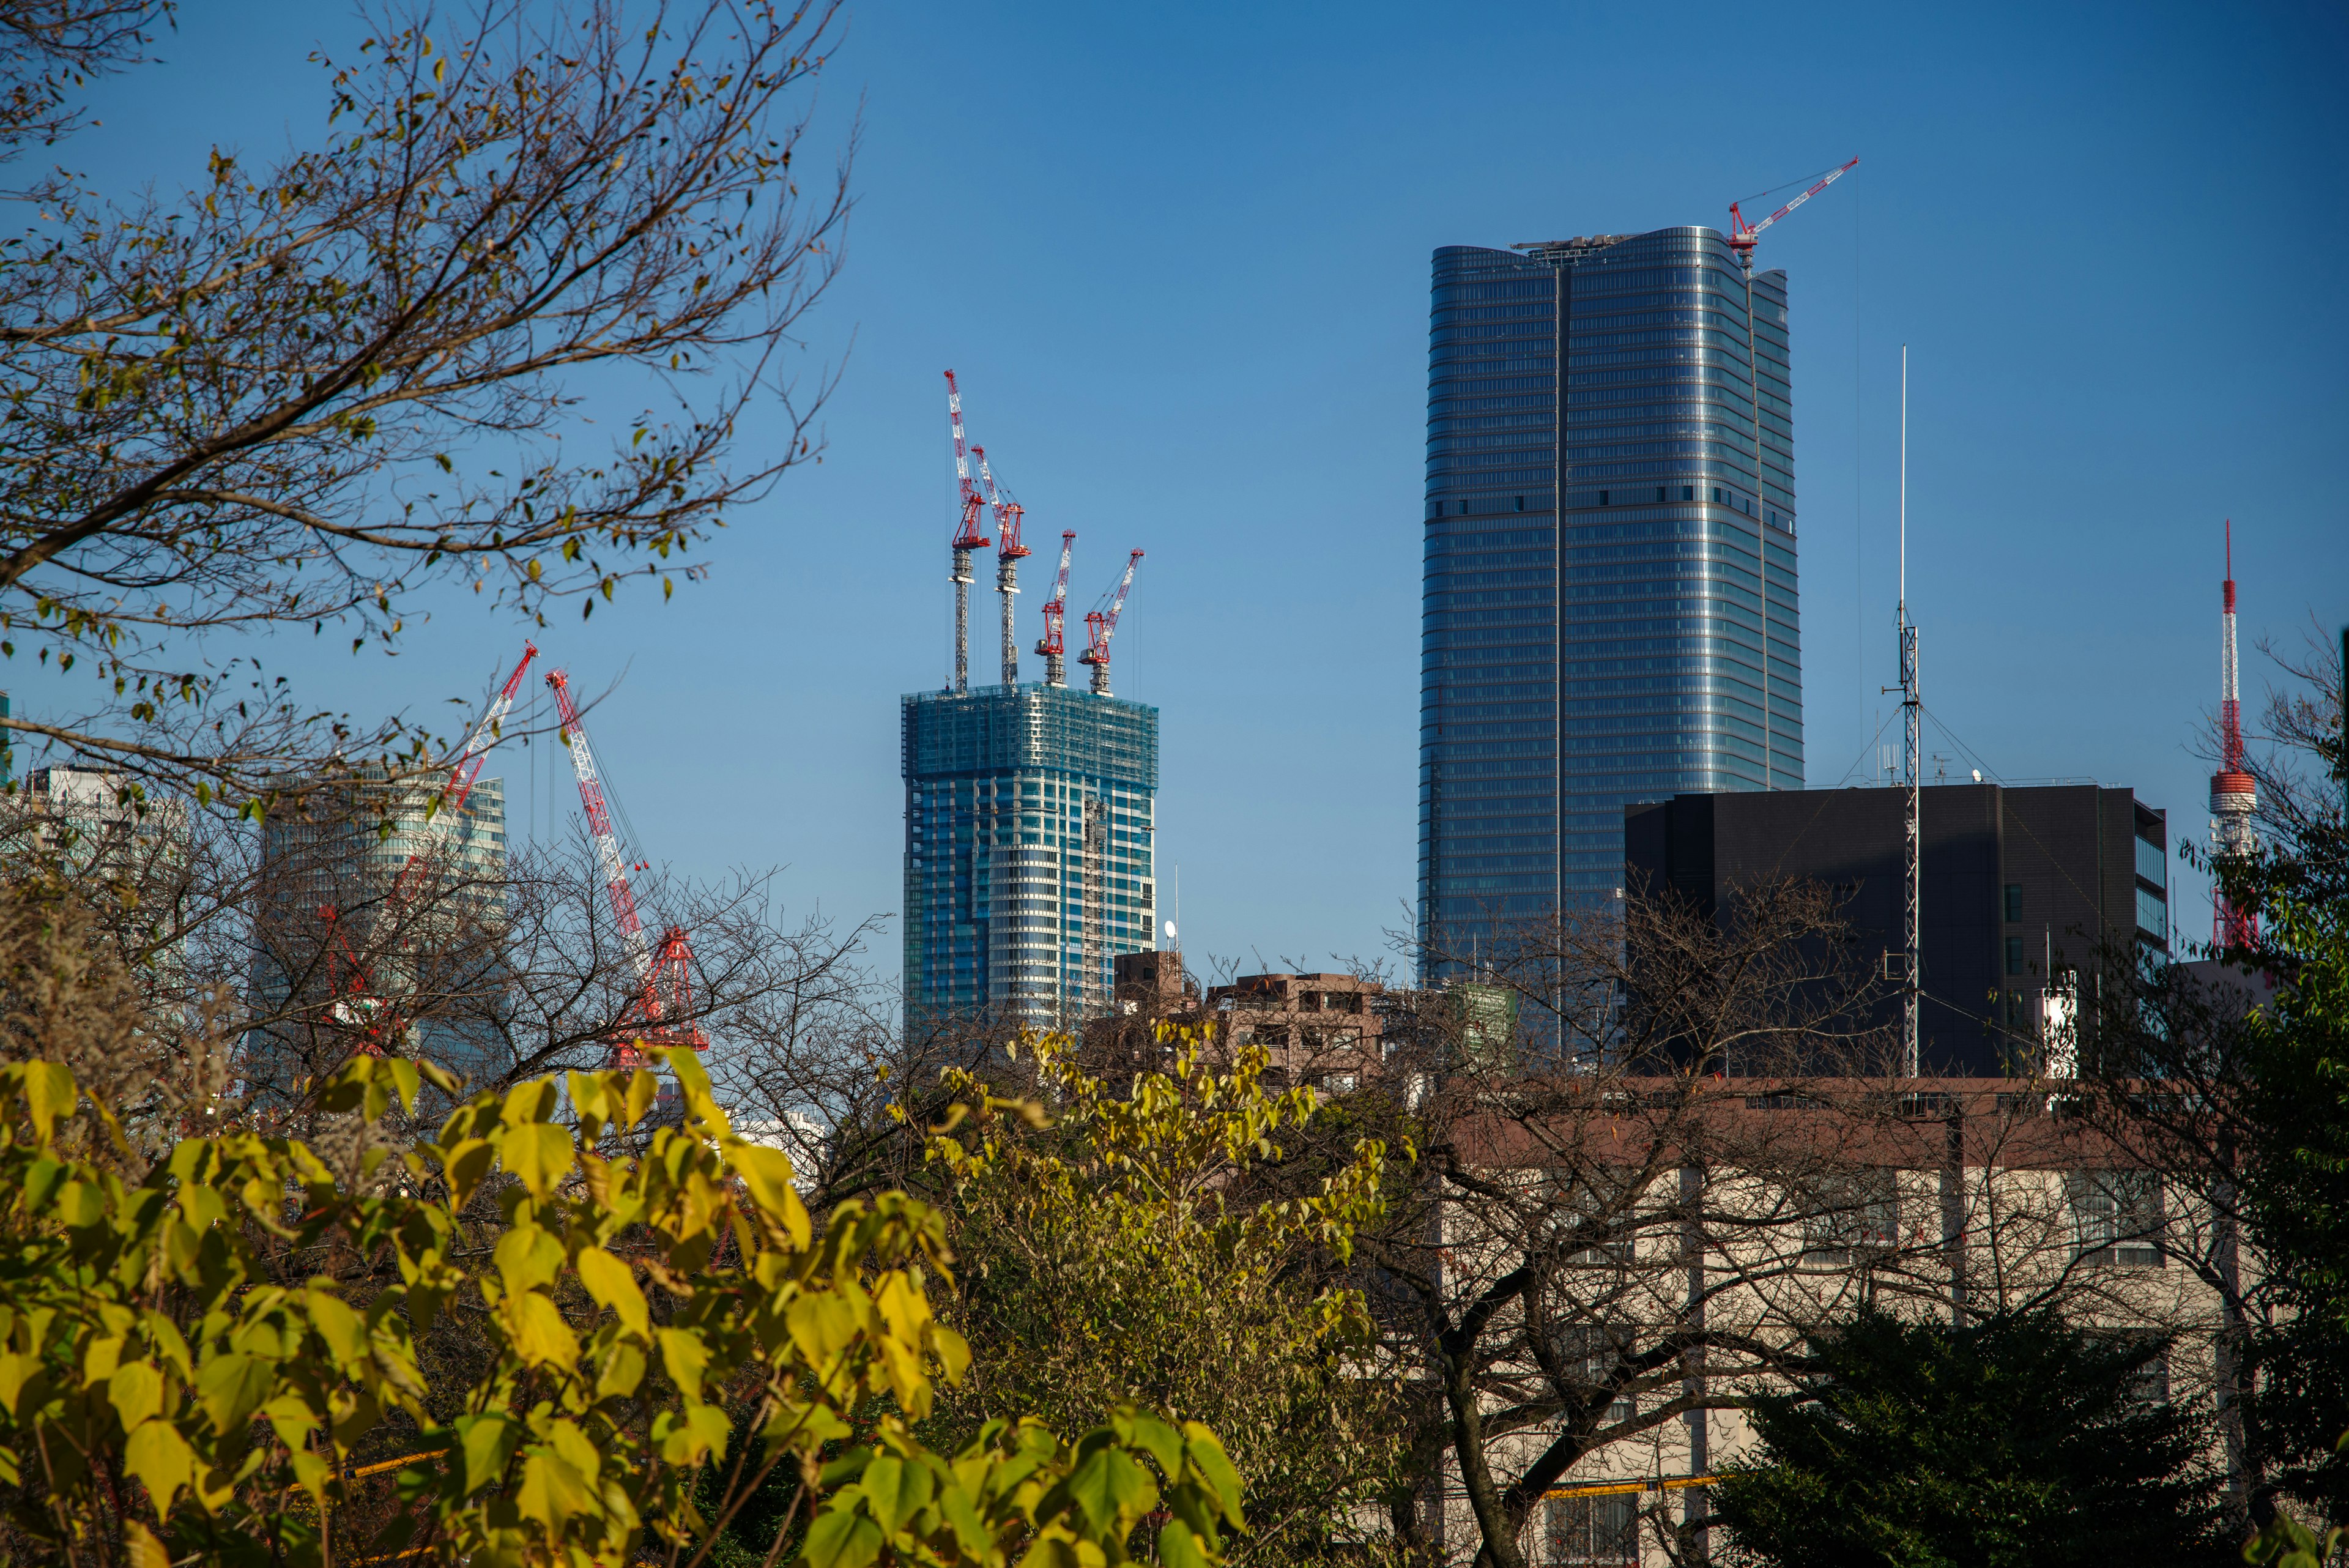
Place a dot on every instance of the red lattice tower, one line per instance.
(2233, 794)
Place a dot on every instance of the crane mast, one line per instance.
(1101, 627)
(1055, 611)
(966, 538)
(1009, 551)
(2234, 795)
(662, 1011)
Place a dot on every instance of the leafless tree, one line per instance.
(305, 389)
(1656, 1149)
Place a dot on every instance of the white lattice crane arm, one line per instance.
(1743, 234)
(613, 862)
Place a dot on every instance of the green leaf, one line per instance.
(233, 1386)
(489, 1442)
(163, 1461)
(49, 1094)
(613, 1284)
(1178, 1548)
(527, 1257)
(539, 1154)
(135, 1392)
(767, 1172)
(840, 1539)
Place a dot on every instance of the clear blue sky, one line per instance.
(1179, 257)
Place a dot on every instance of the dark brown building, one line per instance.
(1326, 1030)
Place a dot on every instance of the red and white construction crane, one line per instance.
(1099, 627)
(2234, 796)
(1055, 608)
(358, 1002)
(1009, 553)
(966, 537)
(662, 1014)
(1742, 235)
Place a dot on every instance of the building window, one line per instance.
(1688, 493)
(2014, 953)
(1716, 495)
(1660, 493)
(1578, 1529)
(2152, 863)
(1464, 509)
(1590, 1358)
(1521, 503)
(1602, 498)
(2118, 1216)
(2013, 901)
(1853, 1218)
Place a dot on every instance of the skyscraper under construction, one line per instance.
(1030, 865)
(1610, 506)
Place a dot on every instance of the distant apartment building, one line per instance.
(1609, 508)
(1030, 866)
(122, 845)
(2020, 891)
(342, 926)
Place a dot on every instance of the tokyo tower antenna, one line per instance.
(1911, 710)
(2233, 794)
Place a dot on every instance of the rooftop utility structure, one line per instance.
(1008, 552)
(2233, 794)
(1055, 610)
(1742, 235)
(661, 1015)
(358, 1000)
(966, 538)
(1101, 625)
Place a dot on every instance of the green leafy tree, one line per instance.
(2013, 1442)
(188, 1373)
(1117, 1254)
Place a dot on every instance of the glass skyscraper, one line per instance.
(1028, 860)
(1610, 506)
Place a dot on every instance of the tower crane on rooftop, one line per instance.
(1742, 235)
(1101, 625)
(2234, 795)
(1008, 552)
(1055, 610)
(966, 538)
(358, 1000)
(661, 1014)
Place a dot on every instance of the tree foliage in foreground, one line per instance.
(1121, 1255)
(2013, 1442)
(178, 1381)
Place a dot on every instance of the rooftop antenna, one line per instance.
(2233, 794)
(1911, 710)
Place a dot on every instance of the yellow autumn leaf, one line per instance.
(161, 1458)
(539, 1154)
(613, 1284)
(539, 1335)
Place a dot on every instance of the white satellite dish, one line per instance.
(1170, 930)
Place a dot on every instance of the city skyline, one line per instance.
(1217, 348)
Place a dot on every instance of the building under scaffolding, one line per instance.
(1029, 863)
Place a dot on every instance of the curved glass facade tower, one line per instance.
(1610, 505)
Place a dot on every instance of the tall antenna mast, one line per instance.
(2233, 794)
(1911, 710)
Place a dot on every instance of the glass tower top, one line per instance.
(1610, 504)
(1029, 853)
